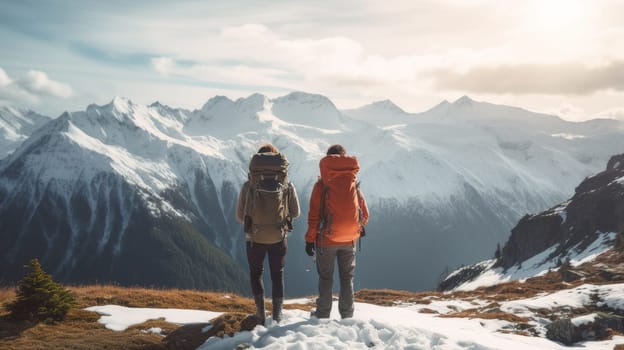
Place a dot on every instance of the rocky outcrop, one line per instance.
(596, 207)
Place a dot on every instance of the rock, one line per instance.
(249, 323)
(191, 336)
(605, 321)
(616, 163)
(570, 276)
(563, 331)
(602, 327)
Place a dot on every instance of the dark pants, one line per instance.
(277, 258)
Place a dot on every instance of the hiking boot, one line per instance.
(314, 313)
(259, 300)
(277, 309)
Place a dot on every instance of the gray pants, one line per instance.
(325, 257)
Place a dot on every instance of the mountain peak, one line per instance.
(300, 96)
(255, 101)
(387, 105)
(215, 101)
(121, 104)
(464, 101)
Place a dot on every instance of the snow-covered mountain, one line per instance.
(90, 188)
(573, 232)
(16, 125)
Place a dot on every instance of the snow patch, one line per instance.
(583, 320)
(119, 318)
(155, 330)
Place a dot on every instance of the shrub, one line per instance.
(39, 298)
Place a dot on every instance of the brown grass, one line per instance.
(6, 294)
(495, 315)
(232, 322)
(80, 330)
(619, 347)
(390, 297)
(161, 298)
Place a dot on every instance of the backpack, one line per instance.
(340, 212)
(327, 216)
(266, 211)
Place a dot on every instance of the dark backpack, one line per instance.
(266, 212)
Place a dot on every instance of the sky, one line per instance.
(564, 57)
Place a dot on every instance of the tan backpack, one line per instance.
(266, 212)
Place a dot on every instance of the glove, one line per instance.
(362, 232)
(309, 248)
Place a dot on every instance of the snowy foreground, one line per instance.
(397, 327)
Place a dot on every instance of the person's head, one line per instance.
(336, 149)
(268, 148)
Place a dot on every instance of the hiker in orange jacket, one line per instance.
(337, 216)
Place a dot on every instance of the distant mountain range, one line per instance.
(103, 194)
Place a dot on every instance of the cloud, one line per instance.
(4, 78)
(254, 55)
(163, 65)
(550, 79)
(38, 84)
(30, 88)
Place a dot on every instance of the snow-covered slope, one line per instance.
(573, 232)
(443, 187)
(16, 125)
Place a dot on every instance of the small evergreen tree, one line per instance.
(39, 298)
(497, 253)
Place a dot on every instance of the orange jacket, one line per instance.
(345, 209)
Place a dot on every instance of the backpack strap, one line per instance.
(323, 214)
(358, 192)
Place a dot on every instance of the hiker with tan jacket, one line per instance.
(336, 220)
(267, 203)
